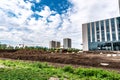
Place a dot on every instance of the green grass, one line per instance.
(21, 70)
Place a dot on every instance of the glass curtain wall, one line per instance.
(113, 29)
(98, 31)
(107, 29)
(102, 30)
(101, 25)
(93, 32)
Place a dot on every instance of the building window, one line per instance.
(113, 36)
(113, 29)
(97, 31)
(113, 24)
(107, 29)
(97, 26)
(102, 30)
(118, 26)
(108, 36)
(93, 32)
(119, 35)
(107, 25)
(88, 27)
(98, 38)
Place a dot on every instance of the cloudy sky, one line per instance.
(36, 22)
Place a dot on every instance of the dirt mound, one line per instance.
(8, 51)
(93, 60)
(30, 52)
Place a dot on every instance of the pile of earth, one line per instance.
(84, 59)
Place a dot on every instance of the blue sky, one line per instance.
(36, 22)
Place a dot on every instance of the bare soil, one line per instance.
(83, 59)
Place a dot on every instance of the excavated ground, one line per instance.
(104, 60)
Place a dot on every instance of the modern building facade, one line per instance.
(54, 44)
(102, 35)
(67, 43)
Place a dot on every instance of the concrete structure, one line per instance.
(54, 44)
(57, 44)
(67, 43)
(102, 35)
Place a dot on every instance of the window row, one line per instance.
(105, 29)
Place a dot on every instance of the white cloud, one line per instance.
(38, 1)
(45, 12)
(2, 28)
(55, 21)
(90, 10)
(20, 29)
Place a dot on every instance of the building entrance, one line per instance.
(114, 46)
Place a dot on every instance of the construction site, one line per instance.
(85, 59)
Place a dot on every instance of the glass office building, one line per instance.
(102, 35)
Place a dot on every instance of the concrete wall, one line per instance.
(85, 37)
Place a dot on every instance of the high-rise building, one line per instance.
(54, 44)
(67, 43)
(57, 44)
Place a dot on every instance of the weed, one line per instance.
(68, 69)
(20, 70)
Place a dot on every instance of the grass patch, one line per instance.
(19, 70)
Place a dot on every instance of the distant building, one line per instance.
(54, 44)
(57, 44)
(67, 43)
